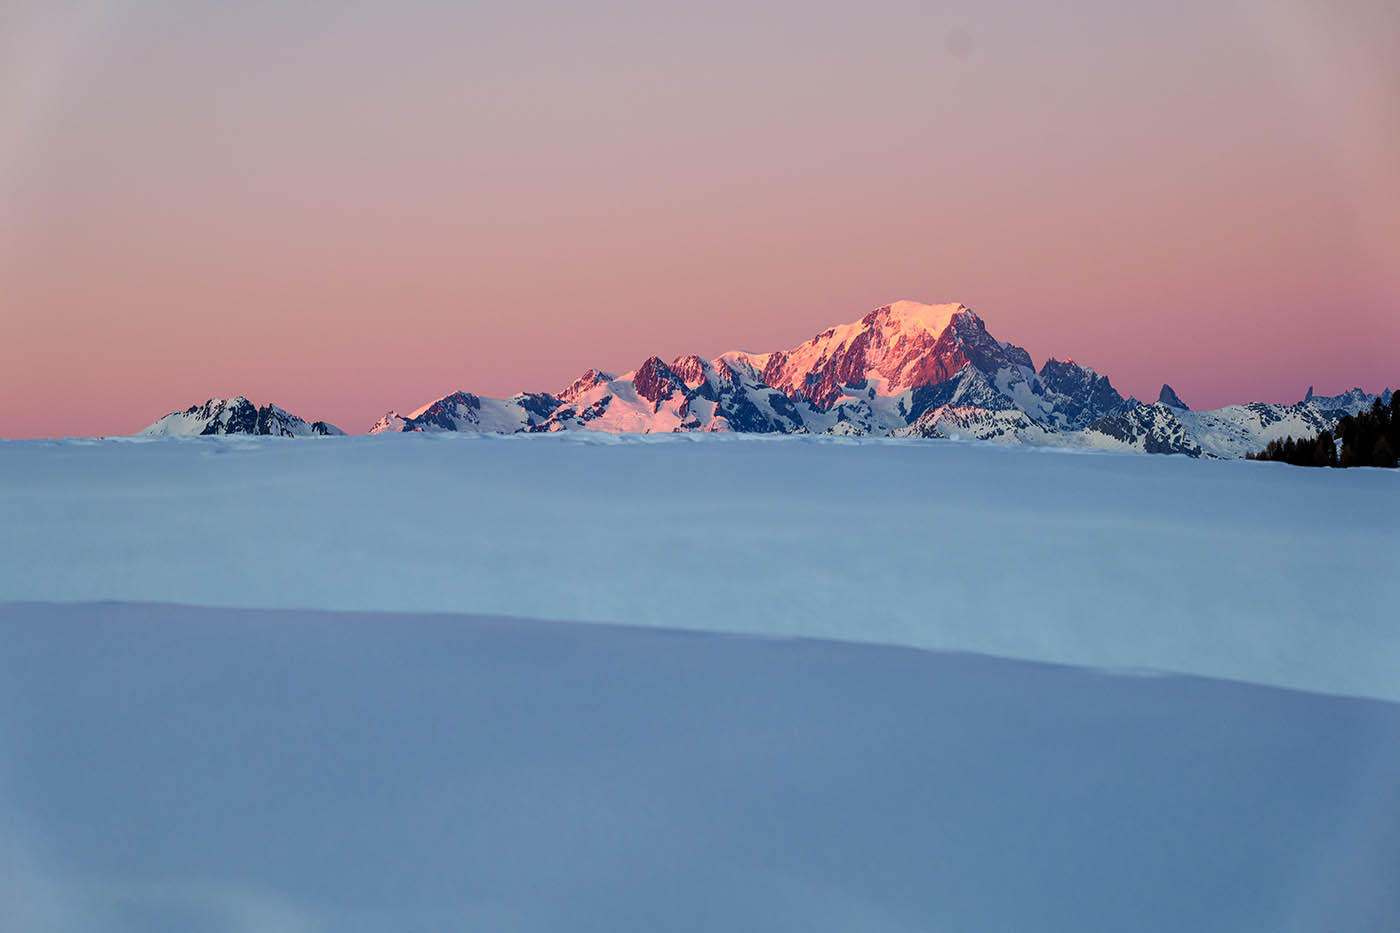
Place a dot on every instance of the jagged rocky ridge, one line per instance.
(237, 416)
(906, 369)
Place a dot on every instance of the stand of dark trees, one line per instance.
(1371, 438)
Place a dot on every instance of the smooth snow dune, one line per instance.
(172, 769)
(1243, 571)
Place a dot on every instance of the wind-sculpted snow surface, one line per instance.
(1247, 571)
(168, 769)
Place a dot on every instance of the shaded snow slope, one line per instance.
(170, 769)
(1248, 571)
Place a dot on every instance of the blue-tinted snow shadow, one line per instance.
(167, 768)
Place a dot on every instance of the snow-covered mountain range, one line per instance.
(906, 369)
(236, 416)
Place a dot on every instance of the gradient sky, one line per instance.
(345, 208)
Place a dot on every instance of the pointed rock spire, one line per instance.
(1169, 398)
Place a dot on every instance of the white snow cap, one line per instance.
(932, 318)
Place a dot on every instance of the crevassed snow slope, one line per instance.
(168, 769)
(1246, 571)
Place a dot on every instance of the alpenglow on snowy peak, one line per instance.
(236, 416)
(904, 369)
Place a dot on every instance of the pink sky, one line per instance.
(345, 214)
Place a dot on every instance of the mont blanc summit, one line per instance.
(904, 369)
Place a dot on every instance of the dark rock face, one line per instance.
(1078, 393)
(982, 349)
(445, 412)
(1169, 397)
(238, 416)
(1152, 427)
(537, 404)
(273, 422)
(693, 374)
(784, 408)
(566, 415)
(820, 386)
(655, 382)
(591, 378)
(969, 387)
(689, 369)
(904, 359)
(731, 374)
(1267, 414)
(984, 423)
(744, 416)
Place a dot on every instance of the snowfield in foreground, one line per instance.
(175, 769)
(1246, 571)
(302, 767)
